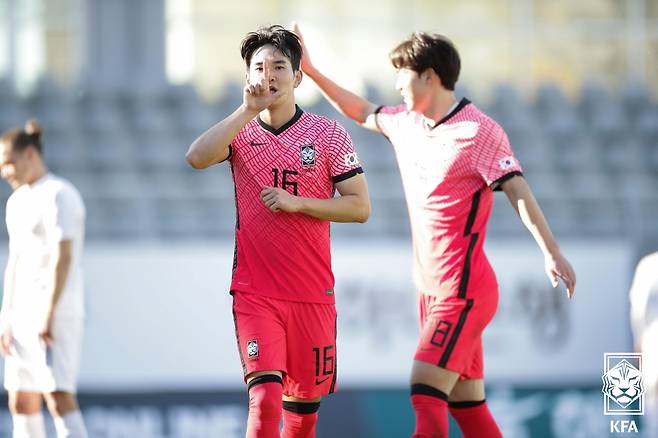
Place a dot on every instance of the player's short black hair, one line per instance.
(22, 138)
(424, 50)
(276, 35)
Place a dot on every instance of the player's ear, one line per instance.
(298, 77)
(428, 75)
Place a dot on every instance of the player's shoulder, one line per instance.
(472, 112)
(59, 187)
(648, 264)
(317, 120)
(320, 127)
(16, 195)
(393, 110)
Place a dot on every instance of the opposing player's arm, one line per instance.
(557, 266)
(349, 104)
(7, 298)
(61, 266)
(353, 204)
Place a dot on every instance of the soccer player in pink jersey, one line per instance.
(451, 157)
(286, 165)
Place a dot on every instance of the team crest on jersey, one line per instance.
(307, 155)
(252, 349)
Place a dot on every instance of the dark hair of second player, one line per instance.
(423, 50)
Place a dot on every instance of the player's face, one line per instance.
(270, 64)
(13, 165)
(413, 89)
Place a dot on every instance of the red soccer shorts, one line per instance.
(451, 332)
(296, 338)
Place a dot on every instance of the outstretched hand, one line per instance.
(557, 267)
(306, 65)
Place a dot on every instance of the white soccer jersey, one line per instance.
(39, 216)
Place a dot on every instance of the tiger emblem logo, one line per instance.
(623, 384)
(307, 155)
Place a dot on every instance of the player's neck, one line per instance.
(39, 172)
(278, 116)
(440, 104)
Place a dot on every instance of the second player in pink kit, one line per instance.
(286, 166)
(451, 157)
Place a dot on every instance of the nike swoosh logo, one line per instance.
(253, 143)
(321, 381)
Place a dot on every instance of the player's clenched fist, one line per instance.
(277, 199)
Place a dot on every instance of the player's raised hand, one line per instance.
(558, 267)
(306, 63)
(277, 199)
(6, 338)
(261, 94)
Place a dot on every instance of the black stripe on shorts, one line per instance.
(455, 335)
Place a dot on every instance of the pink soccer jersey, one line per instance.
(448, 173)
(287, 255)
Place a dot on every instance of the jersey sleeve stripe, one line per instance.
(347, 175)
(379, 127)
(230, 154)
(495, 186)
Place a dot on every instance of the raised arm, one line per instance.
(556, 265)
(212, 146)
(353, 204)
(349, 104)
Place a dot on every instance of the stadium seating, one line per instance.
(592, 161)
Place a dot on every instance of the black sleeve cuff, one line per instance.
(377, 111)
(230, 154)
(495, 186)
(346, 175)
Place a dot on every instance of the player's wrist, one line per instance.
(247, 111)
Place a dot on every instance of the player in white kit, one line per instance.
(42, 307)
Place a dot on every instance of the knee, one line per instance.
(24, 404)
(60, 403)
(265, 395)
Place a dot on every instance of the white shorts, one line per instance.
(33, 367)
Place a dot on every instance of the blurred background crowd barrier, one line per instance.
(123, 87)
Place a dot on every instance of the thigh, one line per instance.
(312, 354)
(467, 390)
(260, 333)
(451, 335)
(26, 368)
(63, 356)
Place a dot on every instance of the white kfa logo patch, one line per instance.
(252, 349)
(623, 384)
(507, 162)
(351, 159)
(307, 155)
